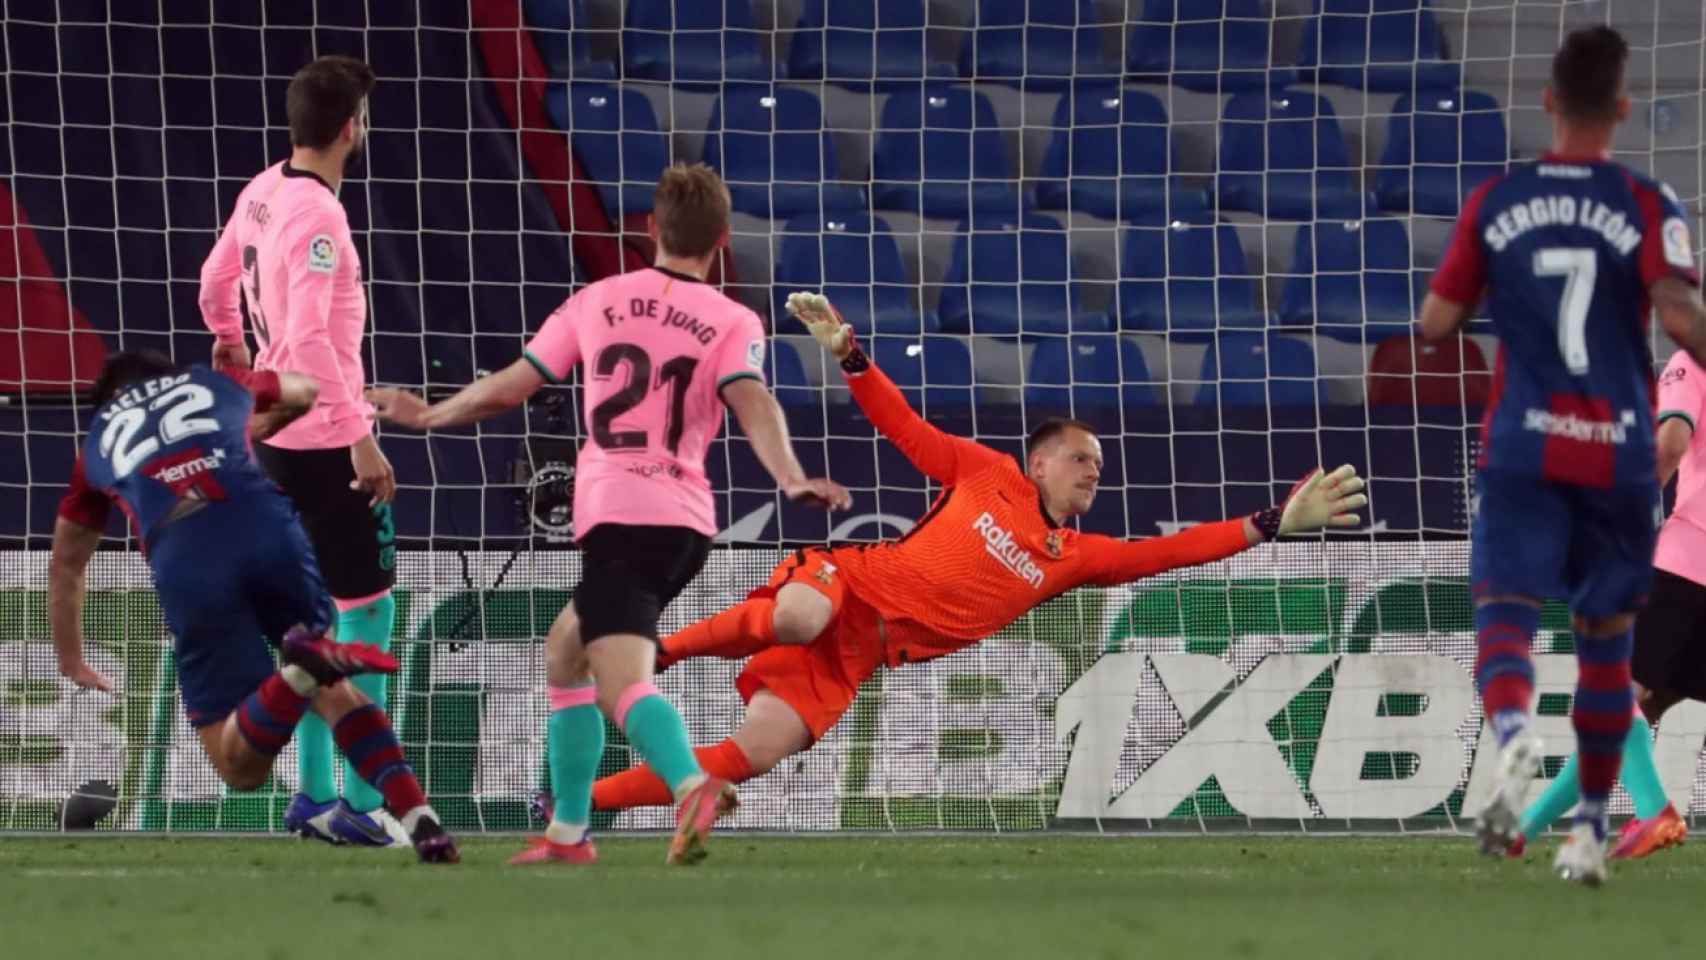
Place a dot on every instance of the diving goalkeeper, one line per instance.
(994, 545)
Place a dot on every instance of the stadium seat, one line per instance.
(1088, 371)
(616, 136)
(1442, 144)
(692, 41)
(1352, 280)
(788, 377)
(1040, 43)
(938, 152)
(1391, 45)
(1256, 370)
(1408, 371)
(854, 261)
(1186, 279)
(1110, 156)
(562, 44)
(834, 41)
(935, 369)
(1283, 154)
(1008, 278)
(770, 145)
(1211, 45)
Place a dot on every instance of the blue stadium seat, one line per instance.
(788, 376)
(616, 136)
(853, 260)
(1254, 370)
(936, 370)
(770, 145)
(1283, 154)
(1110, 156)
(938, 152)
(1086, 372)
(1389, 45)
(1185, 279)
(561, 44)
(834, 41)
(1009, 278)
(1352, 280)
(1041, 43)
(1441, 145)
(1211, 45)
(692, 40)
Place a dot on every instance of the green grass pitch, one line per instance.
(1031, 896)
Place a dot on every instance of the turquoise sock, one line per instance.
(1640, 775)
(1562, 794)
(575, 744)
(655, 729)
(369, 623)
(314, 756)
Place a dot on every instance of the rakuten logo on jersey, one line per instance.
(1003, 547)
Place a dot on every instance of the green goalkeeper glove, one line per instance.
(824, 321)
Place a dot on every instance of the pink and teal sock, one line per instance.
(574, 746)
(1639, 776)
(368, 620)
(655, 729)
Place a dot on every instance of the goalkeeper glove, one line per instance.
(1319, 500)
(823, 321)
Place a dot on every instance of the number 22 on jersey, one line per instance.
(122, 444)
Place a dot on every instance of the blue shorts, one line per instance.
(231, 581)
(1591, 547)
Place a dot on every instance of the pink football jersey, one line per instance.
(287, 249)
(657, 347)
(1682, 542)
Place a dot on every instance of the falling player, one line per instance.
(662, 354)
(1569, 251)
(233, 571)
(1666, 664)
(287, 252)
(994, 545)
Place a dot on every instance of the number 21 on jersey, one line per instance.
(673, 375)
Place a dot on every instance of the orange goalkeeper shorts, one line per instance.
(820, 679)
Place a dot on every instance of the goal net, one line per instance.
(1202, 227)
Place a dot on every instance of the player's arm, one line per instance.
(1682, 402)
(221, 279)
(484, 398)
(1681, 313)
(938, 455)
(761, 419)
(82, 515)
(279, 398)
(1319, 500)
(1675, 434)
(1462, 275)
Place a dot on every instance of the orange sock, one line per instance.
(740, 631)
(640, 787)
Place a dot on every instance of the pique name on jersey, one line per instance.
(639, 307)
(1564, 211)
(142, 391)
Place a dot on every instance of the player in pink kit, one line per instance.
(286, 252)
(661, 354)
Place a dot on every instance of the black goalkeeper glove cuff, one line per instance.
(855, 362)
(1267, 522)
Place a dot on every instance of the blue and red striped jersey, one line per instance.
(1565, 250)
(164, 439)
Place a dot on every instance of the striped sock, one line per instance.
(1504, 670)
(267, 717)
(370, 622)
(364, 735)
(1604, 708)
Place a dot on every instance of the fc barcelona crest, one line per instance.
(1056, 543)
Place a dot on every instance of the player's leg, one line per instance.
(574, 745)
(801, 599)
(1610, 576)
(1519, 544)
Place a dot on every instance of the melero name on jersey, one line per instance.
(666, 315)
(145, 390)
(1565, 211)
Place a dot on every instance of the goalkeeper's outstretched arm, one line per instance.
(480, 400)
(938, 455)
